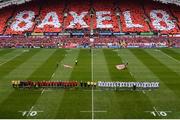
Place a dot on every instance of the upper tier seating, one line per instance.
(161, 18)
(24, 14)
(51, 16)
(107, 11)
(135, 20)
(87, 15)
(4, 16)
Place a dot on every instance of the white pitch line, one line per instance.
(52, 75)
(42, 91)
(94, 111)
(92, 79)
(169, 56)
(156, 111)
(92, 86)
(143, 92)
(31, 108)
(10, 59)
(3, 63)
(30, 111)
(131, 73)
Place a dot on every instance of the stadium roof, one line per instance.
(177, 2)
(5, 3)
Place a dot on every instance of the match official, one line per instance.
(76, 62)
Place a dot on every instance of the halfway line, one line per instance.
(92, 81)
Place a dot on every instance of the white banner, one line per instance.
(50, 19)
(78, 19)
(22, 23)
(156, 22)
(103, 16)
(128, 21)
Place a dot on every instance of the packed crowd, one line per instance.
(161, 17)
(23, 19)
(51, 17)
(23, 42)
(98, 42)
(133, 13)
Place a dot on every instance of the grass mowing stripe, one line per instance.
(75, 101)
(46, 70)
(8, 67)
(101, 71)
(5, 51)
(157, 97)
(11, 55)
(24, 103)
(112, 60)
(14, 63)
(65, 73)
(166, 75)
(103, 99)
(82, 71)
(168, 61)
(171, 53)
(176, 50)
(123, 101)
(49, 101)
(27, 68)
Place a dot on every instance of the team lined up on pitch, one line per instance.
(84, 84)
(50, 84)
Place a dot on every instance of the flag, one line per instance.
(121, 66)
(67, 66)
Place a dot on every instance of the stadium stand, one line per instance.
(131, 15)
(4, 16)
(71, 23)
(105, 18)
(51, 17)
(161, 18)
(78, 16)
(176, 14)
(54, 16)
(110, 42)
(23, 19)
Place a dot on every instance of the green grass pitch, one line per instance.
(162, 65)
